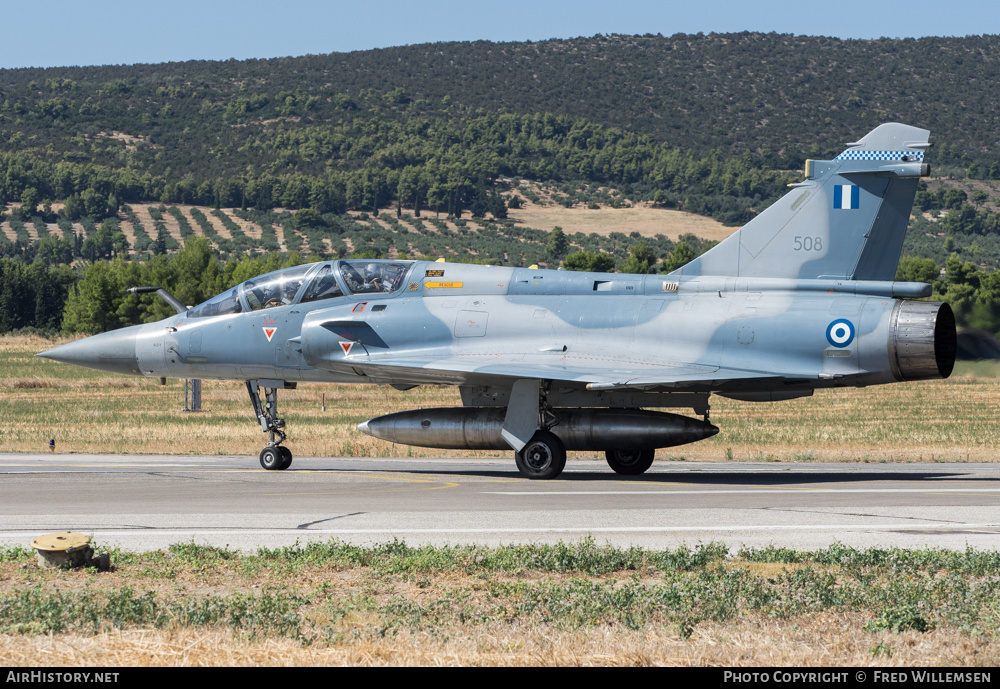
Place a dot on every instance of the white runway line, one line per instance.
(748, 491)
(733, 528)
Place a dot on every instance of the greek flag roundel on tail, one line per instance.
(846, 196)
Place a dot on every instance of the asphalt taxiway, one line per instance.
(145, 502)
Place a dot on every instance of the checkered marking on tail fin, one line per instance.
(905, 156)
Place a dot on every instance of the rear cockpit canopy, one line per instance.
(368, 277)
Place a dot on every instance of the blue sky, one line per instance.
(69, 32)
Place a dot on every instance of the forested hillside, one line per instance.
(389, 152)
(782, 97)
(430, 123)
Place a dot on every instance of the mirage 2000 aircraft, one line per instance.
(800, 298)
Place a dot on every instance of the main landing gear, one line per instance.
(630, 462)
(543, 457)
(274, 456)
(532, 425)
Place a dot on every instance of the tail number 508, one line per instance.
(808, 244)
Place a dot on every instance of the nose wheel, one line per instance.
(274, 457)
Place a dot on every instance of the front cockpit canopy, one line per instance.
(219, 305)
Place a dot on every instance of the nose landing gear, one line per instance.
(274, 456)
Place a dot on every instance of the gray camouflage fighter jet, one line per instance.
(800, 298)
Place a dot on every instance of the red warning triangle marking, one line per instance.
(346, 346)
(270, 333)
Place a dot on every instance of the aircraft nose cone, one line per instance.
(112, 351)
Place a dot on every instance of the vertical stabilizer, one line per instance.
(845, 221)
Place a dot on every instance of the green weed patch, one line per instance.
(329, 592)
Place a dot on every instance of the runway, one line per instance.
(146, 502)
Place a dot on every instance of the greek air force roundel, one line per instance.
(840, 333)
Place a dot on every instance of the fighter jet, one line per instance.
(801, 298)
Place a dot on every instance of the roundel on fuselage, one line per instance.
(840, 333)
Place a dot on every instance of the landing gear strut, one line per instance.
(538, 453)
(274, 456)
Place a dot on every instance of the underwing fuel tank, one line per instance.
(478, 428)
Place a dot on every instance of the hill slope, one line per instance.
(781, 97)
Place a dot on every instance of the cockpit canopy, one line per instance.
(307, 283)
(274, 289)
(368, 277)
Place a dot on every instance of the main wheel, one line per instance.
(543, 457)
(271, 458)
(286, 457)
(630, 462)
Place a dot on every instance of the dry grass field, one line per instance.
(89, 411)
(823, 640)
(642, 218)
